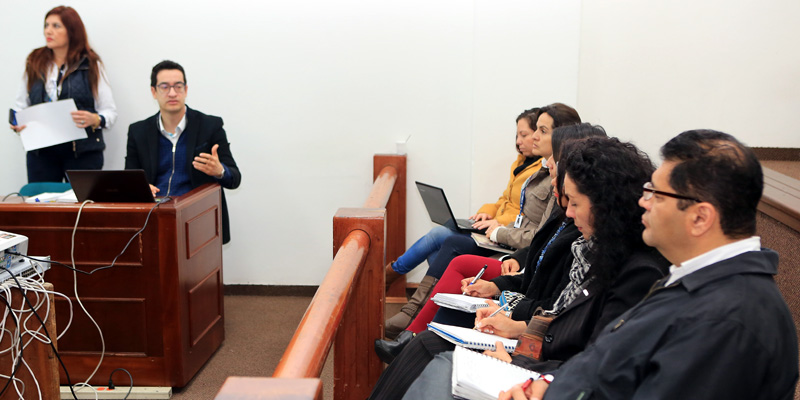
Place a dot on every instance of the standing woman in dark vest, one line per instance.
(67, 68)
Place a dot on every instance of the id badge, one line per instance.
(518, 221)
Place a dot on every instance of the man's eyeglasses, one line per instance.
(649, 191)
(164, 88)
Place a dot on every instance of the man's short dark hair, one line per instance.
(714, 167)
(166, 64)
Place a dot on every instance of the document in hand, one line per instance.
(477, 376)
(470, 338)
(460, 302)
(49, 124)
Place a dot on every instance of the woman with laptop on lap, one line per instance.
(533, 141)
(502, 212)
(67, 68)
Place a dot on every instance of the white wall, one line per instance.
(652, 69)
(310, 90)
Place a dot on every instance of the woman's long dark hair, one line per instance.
(39, 60)
(611, 174)
(567, 133)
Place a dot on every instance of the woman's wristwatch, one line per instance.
(547, 378)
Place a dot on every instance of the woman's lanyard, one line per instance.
(518, 221)
(555, 235)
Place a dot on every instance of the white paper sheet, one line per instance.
(48, 124)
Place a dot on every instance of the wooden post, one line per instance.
(395, 219)
(356, 367)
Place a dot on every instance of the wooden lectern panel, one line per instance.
(160, 307)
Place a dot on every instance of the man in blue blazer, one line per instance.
(179, 148)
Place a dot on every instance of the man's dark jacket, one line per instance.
(202, 133)
(722, 332)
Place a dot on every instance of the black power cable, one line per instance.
(111, 382)
(114, 261)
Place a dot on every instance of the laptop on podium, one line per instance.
(110, 186)
(440, 211)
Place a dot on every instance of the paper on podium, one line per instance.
(49, 124)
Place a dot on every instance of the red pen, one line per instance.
(527, 384)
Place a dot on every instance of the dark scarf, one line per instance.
(528, 161)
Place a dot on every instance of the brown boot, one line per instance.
(391, 274)
(401, 320)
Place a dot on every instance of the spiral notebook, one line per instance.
(477, 376)
(470, 338)
(460, 302)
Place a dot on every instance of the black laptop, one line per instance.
(110, 186)
(440, 211)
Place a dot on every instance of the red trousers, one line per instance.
(461, 267)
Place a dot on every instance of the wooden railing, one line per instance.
(781, 199)
(348, 309)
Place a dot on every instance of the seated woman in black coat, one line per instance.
(613, 270)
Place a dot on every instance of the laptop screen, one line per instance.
(111, 186)
(437, 205)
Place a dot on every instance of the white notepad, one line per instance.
(477, 376)
(460, 302)
(470, 338)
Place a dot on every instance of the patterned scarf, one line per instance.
(577, 274)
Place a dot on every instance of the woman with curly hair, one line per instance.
(67, 68)
(600, 179)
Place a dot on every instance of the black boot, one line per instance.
(387, 350)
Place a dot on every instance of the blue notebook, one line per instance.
(470, 338)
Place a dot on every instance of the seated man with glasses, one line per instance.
(180, 148)
(715, 328)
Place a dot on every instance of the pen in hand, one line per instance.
(527, 384)
(480, 274)
(503, 307)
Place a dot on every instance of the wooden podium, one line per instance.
(160, 307)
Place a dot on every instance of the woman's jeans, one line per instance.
(427, 247)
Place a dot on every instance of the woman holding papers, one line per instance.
(550, 248)
(612, 269)
(536, 199)
(67, 68)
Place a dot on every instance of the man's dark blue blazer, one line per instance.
(202, 132)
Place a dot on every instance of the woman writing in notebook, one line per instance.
(550, 247)
(533, 138)
(67, 68)
(611, 270)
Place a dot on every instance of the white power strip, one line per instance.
(119, 392)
